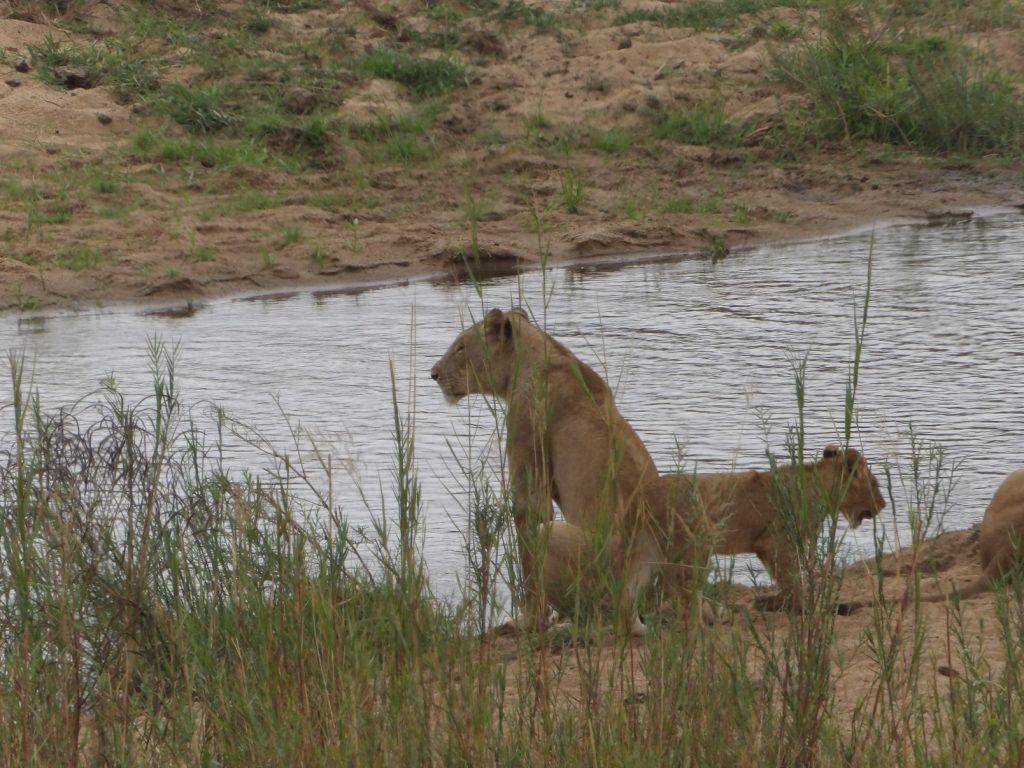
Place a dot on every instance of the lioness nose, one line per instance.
(434, 374)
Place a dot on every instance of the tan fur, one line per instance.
(1001, 539)
(688, 517)
(566, 440)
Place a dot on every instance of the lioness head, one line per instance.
(863, 499)
(480, 360)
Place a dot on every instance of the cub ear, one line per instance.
(830, 452)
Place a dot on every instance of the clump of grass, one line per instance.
(920, 91)
(202, 109)
(705, 125)
(78, 259)
(539, 18)
(703, 14)
(614, 141)
(573, 190)
(423, 77)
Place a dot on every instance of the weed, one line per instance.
(492, 138)
(702, 14)
(614, 141)
(319, 255)
(266, 261)
(78, 259)
(718, 249)
(201, 109)
(291, 234)
(243, 202)
(539, 18)
(705, 124)
(198, 253)
(537, 122)
(632, 209)
(104, 184)
(423, 77)
(918, 91)
(572, 190)
(27, 302)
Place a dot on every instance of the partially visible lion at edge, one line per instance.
(566, 442)
(999, 543)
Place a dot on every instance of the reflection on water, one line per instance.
(702, 357)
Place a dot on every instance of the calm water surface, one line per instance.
(701, 355)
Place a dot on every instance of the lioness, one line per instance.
(566, 440)
(688, 517)
(1001, 539)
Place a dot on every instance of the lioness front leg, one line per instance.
(531, 511)
(784, 569)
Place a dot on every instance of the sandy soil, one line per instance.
(948, 558)
(406, 221)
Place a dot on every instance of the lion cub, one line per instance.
(688, 517)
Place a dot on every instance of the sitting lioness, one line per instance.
(688, 517)
(566, 440)
(1000, 542)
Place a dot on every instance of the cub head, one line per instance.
(481, 359)
(849, 470)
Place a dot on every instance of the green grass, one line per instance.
(614, 141)
(925, 92)
(705, 125)
(703, 14)
(244, 201)
(78, 259)
(423, 77)
(573, 190)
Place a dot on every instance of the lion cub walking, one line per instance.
(687, 517)
(566, 440)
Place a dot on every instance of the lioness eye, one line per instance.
(459, 348)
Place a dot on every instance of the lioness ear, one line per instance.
(830, 452)
(493, 322)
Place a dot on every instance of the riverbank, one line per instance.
(248, 148)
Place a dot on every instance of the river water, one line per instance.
(702, 357)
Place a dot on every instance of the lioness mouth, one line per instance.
(865, 514)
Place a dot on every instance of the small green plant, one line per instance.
(424, 77)
(198, 253)
(202, 109)
(632, 209)
(492, 138)
(291, 234)
(539, 18)
(266, 261)
(703, 14)
(319, 255)
(27, 302)
(705, 125)
(537, 122)
(614, 141)
(718, 249)
(572, 190)
(78, 259)
(104, 184)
